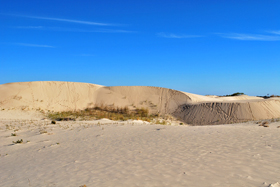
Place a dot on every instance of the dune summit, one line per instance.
(189, 108)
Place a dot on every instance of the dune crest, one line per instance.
(189, 108)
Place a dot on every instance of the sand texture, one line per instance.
(34, 151)
(106, 153)
(189, 108)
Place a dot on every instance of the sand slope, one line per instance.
(160, 100)
(228, 112)
(47, 95)
(190, 108)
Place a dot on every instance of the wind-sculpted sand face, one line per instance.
(209, 113)
(189, 108)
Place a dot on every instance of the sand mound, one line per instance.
(47, 95)
(228, 112)
(190, 108)
(158, 100)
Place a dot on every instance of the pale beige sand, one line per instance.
(189, 108)
(21, 115)
(135, 153)
(240, 97)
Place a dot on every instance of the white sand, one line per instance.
(135, 153)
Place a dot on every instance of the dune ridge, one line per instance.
(187, 107)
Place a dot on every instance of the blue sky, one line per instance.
(197, 46)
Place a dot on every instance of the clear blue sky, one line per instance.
(197, 46)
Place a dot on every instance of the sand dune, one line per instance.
(228, 112)
(48, 95)
(187, 107)
(36, 152)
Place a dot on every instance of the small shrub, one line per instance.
(264, 124)
(237, 94)
(13, 134)
(18, 141)
(53, 122)
(234, 94)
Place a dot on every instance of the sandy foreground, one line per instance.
(136, 153)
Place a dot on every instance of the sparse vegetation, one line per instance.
(269, 96)
(234, 94)
(264, 124)
(18, 141)
(13, 134)
(99, 112)
(275, 96)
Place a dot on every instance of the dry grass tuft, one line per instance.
(101, 111)
(264, 124)
(18, 141)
